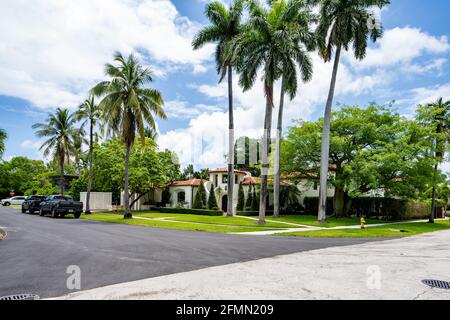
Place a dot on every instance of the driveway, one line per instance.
(36, 254)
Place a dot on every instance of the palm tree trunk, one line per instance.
(265, 153)
(91, 157)
(128, 214)
(230, 206)
(325, 152)
(276, 186)
(61, 174)
(433, 196)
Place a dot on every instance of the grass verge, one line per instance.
(393, 230)
(182, 225)
(331, 222)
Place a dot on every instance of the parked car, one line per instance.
(32, 204)
(60, 206)
(18, 200)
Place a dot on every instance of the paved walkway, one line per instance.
(392, 269)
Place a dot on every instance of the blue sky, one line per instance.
(53, 51)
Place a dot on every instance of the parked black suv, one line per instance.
(32, 204)
(60, 206)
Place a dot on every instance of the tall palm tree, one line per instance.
(151, 133)
(296, 29)
(266, 44)
(341, 23)
(77, 151)
(225, 26)
(3, 137)
(90, 113)
(127, 105)
(61, 133)
(437, 116)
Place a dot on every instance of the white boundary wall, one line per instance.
(98, 201)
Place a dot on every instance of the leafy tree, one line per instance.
(436, 116)
(225, 25)
(212, 200)
(297, 28)
(127, 105)
(3, 137)
(188, 172)
(370, 149)
(263, 46)
(202, 174)
(248, 202)
(26, 177)
(90, 113)
(61, 133)
(241, 198)
(342, 23)
(151, 133)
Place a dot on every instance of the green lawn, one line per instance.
(116, 218)
(331, 222)
(394, 230)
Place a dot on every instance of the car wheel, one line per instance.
(23, 210)
(41, 212)
(77, 215)
(54, 213)
(7, 204)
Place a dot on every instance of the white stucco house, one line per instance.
(182, 193)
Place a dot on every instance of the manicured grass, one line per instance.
(232, 221)
(394, 230)
(331, 222)
(115, 218)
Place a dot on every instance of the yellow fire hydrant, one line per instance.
(363, 223)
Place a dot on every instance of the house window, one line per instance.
(316, 185)
(216, 180)
(181, 197)
(225, 178)
(236, 179)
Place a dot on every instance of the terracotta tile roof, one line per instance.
(188, 183)
(225, 170)
(249, 180)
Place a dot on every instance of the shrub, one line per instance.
(311, 205)
(212, 200)
(241, 198)
(389, 208)
(248, 203)
(200, 212)
(200, 198)
(255, 200)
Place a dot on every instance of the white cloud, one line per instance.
(52, 51)
(183, 110)
(400, 46)
(29, 144)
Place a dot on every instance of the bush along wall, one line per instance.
(199, 212)
(390, 208)
(311, 205)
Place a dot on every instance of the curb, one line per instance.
(3, 234)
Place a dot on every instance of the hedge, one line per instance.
(311, 205)
(389, 208)
(199, 212)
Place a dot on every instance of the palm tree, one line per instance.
(127, 105)
(341, 23)
(61, 133)
(266, 44)
(437, 116)
(296, 28)
(77, 151)
(89, 112)
(225, 26)
(151, 133)
(3, 137)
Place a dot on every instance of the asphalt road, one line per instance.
(35, 255)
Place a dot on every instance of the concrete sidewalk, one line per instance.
(391, 269)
